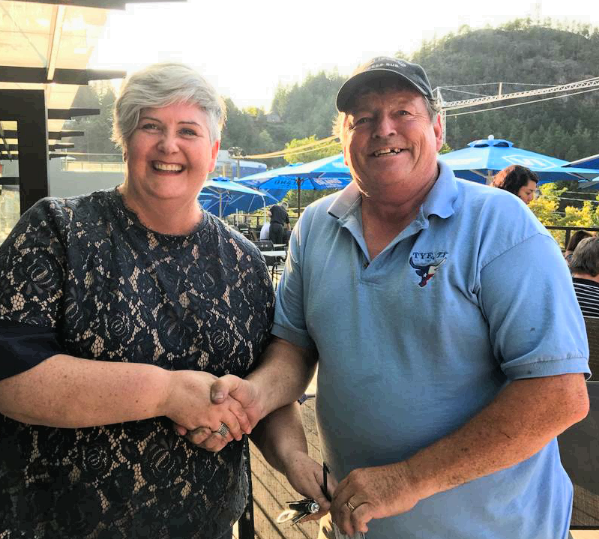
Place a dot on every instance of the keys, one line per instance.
(298, 511)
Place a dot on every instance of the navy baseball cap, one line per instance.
(384, 66)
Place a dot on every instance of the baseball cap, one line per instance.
(384, 66)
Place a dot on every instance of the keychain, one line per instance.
(300, 509)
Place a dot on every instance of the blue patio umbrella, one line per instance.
(327, 173)
(587, 162)
(482, 159)
(223, 197)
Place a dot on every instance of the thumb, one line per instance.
(223, 387)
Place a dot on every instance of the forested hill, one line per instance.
(519, 52)
(526, 54)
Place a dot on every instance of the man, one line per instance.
(279, 223)
(445, 369)
(584, 266)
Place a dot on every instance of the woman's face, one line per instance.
(527, 192)
(169, 155)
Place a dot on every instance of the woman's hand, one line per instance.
(189, 405)
(305, 475)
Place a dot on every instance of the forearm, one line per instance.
(64, 391)
(524, 417)
(280, 435)
(284, 373)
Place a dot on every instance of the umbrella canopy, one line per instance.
(327, 173)
(223, 197)
(586, 162)
(484, 158)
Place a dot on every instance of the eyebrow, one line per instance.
(186, 122)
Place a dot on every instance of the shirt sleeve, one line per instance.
(290, 323)
(23, 347)
(535, 324)
(32, 273)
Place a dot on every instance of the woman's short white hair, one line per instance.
(161, 85)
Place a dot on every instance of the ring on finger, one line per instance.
(350, 506)
(223, 430)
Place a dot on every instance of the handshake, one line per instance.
(212, 411)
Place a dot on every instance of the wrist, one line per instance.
(165, 384)
(418, 481)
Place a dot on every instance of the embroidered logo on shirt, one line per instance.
(427, 264)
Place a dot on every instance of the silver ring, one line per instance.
(223, 430)
(350, 506)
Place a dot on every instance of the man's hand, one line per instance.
(188, 404)
(243, 391)
(235, 394)
(377, 492)
(305, 476)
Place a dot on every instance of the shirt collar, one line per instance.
(440, 201)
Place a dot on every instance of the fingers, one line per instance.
(349, 511)
(198, 436)
(213, 442)
(240, 414)
(351, 516)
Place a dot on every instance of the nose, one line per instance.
(385, 126)
(168, 143)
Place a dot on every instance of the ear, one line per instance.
(214, 155)
(438, 129)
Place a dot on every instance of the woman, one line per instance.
(519, 181)
(576, 238)
(118, 309)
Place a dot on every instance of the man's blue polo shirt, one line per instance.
(472, 294)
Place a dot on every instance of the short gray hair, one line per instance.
(585, 258)
(161, 85)
(379, 86)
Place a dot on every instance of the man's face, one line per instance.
(390, 143)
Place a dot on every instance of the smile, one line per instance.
(387, 151)
(166, 167)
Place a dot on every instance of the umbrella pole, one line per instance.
(299, 196)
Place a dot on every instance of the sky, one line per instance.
(246, 49)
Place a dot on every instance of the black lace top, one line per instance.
(88, 277)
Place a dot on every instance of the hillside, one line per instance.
(526, 54)
(519, 54)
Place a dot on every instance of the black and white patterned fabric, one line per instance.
(85, 275)
(587, 294)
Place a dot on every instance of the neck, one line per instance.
(586, 276)
(384, 217)
(162, 216)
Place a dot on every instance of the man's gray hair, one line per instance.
(161, 85)
(585, 258)
(379, 86)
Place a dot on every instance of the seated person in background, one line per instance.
(584, 266)
(576, 238)
(265, 231)
(279, 223)
(519, 181)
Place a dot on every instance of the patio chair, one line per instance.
(273, 262)
(579, 450)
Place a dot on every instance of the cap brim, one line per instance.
(351, 85)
